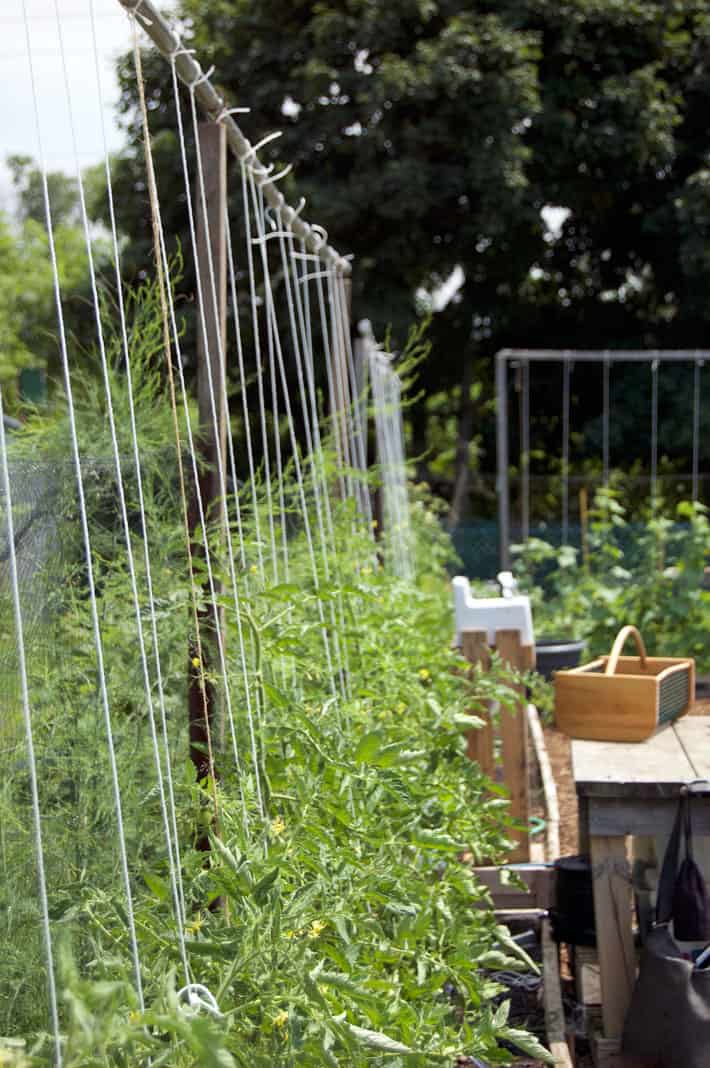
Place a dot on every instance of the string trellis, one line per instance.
(526, 359)
(298, 401)
(386, 390)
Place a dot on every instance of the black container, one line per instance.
(556, 654)
(573, 914)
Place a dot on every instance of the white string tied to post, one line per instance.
(654, 432)
(303, 297)
(698, 365)
(259, 366)
(29, 741)
(123, 508)
(271, 312)
(310, 421)
(84, 524)
(196, 998)
(221, 475)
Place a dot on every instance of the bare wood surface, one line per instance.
(647, 817)
(694, 736)
(506, 894)
(513, 726)
(607, 1054)
(611, 879)
(552, 997)
(657, 767)
(549, 789)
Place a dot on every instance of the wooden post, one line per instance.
(211, 348)
(513, 730)
(612, 913)
(514, 740)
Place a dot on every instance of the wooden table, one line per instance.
(631, 789)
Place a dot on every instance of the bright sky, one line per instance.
(17, 124)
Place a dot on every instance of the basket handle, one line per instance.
(619, 643)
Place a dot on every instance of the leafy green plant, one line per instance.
(650, 574)
(339, 926)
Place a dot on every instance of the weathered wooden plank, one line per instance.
(694, 736)
(552, 811)
(648, 817)
(537, 878)
(607, 1054)
(654, 768)
(611, 880)
(514, 744)
(552, 998)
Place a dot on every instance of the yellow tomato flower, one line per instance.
(196, 926)
(281, 1018)
(195, 661)
(277, 827)
(253, 569)
(424, 674)
(316, 927)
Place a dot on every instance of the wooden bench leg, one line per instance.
(612, 911)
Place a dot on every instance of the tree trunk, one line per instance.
(463, 438)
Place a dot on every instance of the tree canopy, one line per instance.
(429, 135)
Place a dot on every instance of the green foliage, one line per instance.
(651, 575)
(348, 932)
(427, 136)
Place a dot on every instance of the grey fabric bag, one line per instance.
(668, 1023)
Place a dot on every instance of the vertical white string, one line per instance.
(299, 317)
(525, 448)
(29, 739)
(84, 521)
(303, 282)
(359, 445)
(257, 355)
(271, 311)
(696, 429)
(224, 399)
(191, 448)
(566, 372)
(168, 823)
(654, 433)
(341, 409)
(606, 401)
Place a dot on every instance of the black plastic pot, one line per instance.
(555, 654)
(573, 912)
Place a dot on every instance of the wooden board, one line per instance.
(654, 768)
(694, 736)
(644, 816)
(611, 880)
(514, 745)
(537, 878)
(552, 997)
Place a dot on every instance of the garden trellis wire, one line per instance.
(522, 359)
(296, 294)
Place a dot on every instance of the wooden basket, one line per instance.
(623, 698)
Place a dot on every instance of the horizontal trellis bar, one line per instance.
(599, 355)
(216, 108)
